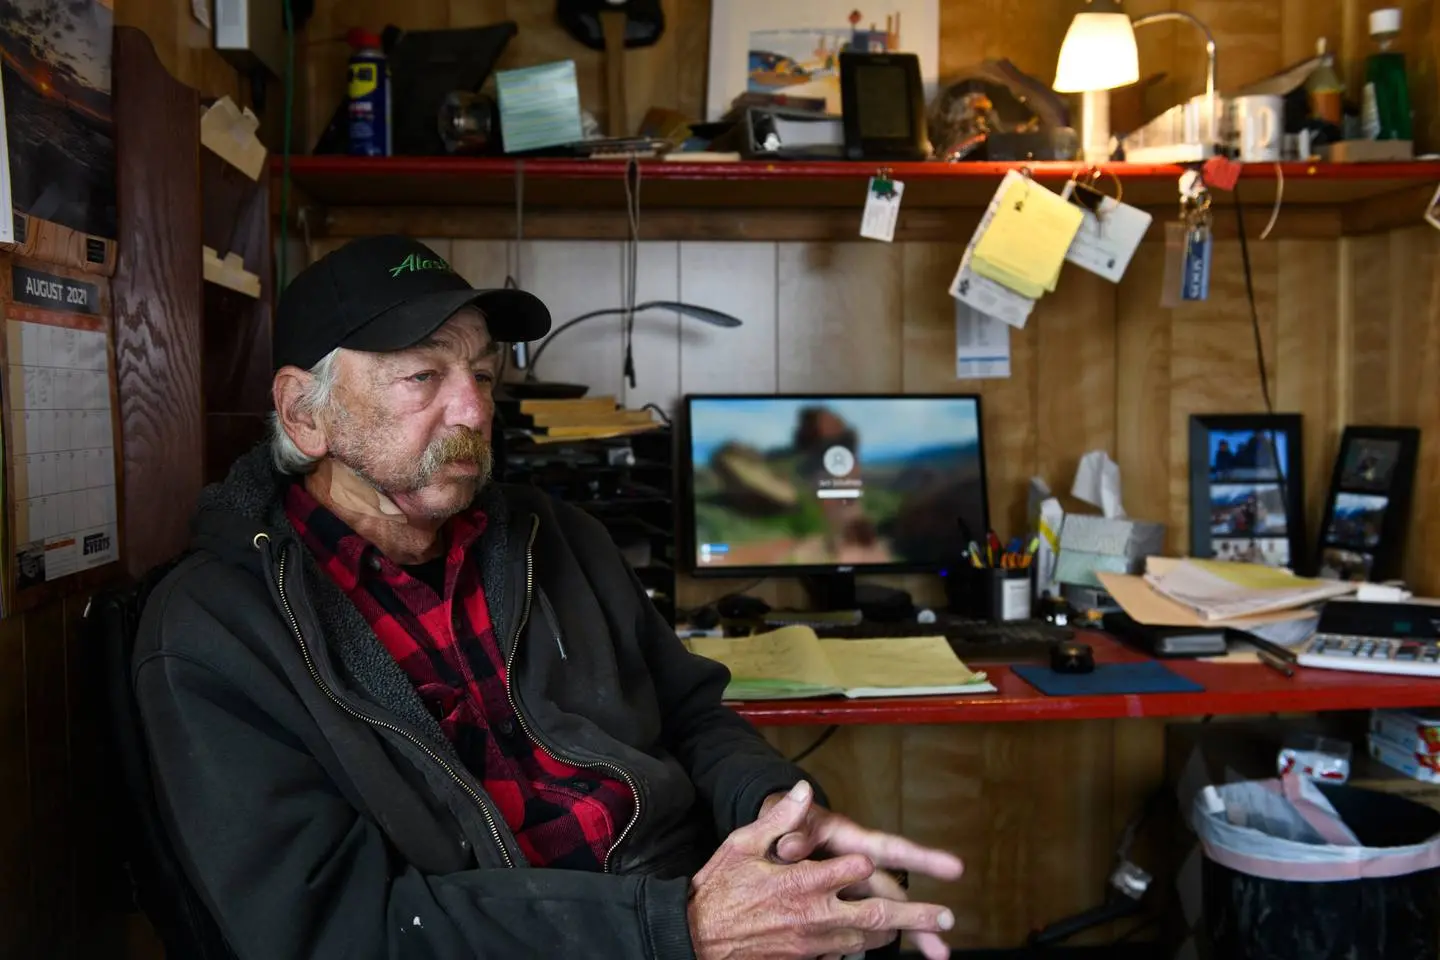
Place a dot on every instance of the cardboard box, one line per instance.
(1367, 151)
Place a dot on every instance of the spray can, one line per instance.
(368, 96)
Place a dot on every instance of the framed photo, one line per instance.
(1362, 536)
(793, 48)
(1246, 488)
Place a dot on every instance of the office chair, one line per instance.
(158, 885)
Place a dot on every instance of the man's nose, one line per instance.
(471, 406)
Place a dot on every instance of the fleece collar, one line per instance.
(250, 501)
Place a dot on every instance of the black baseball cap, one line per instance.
(387, 293)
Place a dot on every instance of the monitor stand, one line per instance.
(832, 592)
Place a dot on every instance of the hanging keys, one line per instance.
(1195, 215)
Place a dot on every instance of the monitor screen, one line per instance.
(794, 483)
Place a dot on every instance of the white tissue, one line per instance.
(1097, 482)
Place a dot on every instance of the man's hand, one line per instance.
(825, 834)
(746, 906)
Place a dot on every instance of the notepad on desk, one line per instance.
(793, 663)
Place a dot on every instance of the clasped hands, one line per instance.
(802, 882)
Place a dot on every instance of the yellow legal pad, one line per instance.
(1025, 245)
(792, 663)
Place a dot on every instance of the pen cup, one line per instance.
(990, 593)
(1011, 594)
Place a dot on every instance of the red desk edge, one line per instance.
(1231, 689)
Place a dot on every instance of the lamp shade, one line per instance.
(1098, 54)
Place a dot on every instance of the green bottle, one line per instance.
(1385, 114)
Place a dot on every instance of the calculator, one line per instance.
(1399, 638)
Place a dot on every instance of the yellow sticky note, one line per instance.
(1028, 238)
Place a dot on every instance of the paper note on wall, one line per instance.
(1105, 244)
(982, 345)
(1025, 244)
(985, 295)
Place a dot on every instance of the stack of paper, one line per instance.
(1220, 590)
(793, 662)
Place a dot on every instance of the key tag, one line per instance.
(1195, 214)
(1188, 246)
(882, 207)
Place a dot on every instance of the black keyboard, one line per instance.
(972, 640)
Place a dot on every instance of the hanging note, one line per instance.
(882, 209)
(982, 345)
(983, 294)
(1108, 238)
(1025, 245)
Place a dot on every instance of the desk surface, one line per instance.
(1230, 689)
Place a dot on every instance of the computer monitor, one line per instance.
(830, 485)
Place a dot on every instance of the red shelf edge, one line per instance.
(752, 170)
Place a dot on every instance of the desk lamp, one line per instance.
(525, 359)
(1099, 54)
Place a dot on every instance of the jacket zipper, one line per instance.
(334, 698)
(515, 706)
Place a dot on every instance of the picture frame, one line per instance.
(1362, 533)
(792, 48)
(1247, 493)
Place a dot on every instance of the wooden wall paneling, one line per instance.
(575, 277)
(186, 48)
(1142, 389)
(157, 299)
(657, 335)
(1306, 360)
(871, 799)
(839, 311)
(1415, 345)
(16, 882)
(51, 813)
(1365, 344)
(484, 263)
(1074, 331)
(1007, 405)
(741, 279)
(1026, 34)
(1035, 847)
(1303, 22)
(1213, 364)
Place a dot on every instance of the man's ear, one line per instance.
(290, 390)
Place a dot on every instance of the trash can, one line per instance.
(1294, 870)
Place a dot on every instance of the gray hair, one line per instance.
(287, 456)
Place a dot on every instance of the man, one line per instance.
(397, 711)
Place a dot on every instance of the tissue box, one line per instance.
(1091, 545)
(1131, 539)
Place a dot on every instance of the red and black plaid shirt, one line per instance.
(562, 816)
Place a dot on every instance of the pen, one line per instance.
(1274, 662)
(1260, 643)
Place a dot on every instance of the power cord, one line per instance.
(1281, 469)
(819, 742)
(632, 265)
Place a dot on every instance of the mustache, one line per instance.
(462, 446)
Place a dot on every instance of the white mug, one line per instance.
(1257, 127)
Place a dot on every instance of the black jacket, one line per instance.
(321, 813)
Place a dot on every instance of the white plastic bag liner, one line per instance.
(1286, 830)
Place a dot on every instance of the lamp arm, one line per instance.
(535, 357)
(1168, 15)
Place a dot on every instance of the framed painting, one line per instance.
(793, 48)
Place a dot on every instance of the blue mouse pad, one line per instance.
(1148, 676)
